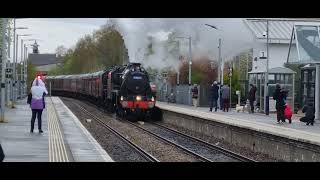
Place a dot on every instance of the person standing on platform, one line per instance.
(309, 114)
(220, 95)
(195, 95)
(225, 97)
(38, 91)
(214, 92)
(279, 97)
(252, 97)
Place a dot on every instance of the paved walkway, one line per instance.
(17, 141)
(66, 140)
(260, 122)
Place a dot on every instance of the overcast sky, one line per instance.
(57, 31)
(53, 32)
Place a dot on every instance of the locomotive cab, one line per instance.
(135, 93)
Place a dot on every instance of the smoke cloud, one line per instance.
(138, 33)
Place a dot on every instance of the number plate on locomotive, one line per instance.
(137, 77)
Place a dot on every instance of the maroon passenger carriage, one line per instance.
(125, 90)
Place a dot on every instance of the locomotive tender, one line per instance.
(125, 89)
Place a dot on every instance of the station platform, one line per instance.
(297, 130)
(64, 139)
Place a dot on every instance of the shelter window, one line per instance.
(308, 43)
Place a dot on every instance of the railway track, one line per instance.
(177, 146)
(201, 149)
(138, 149)
(206, 144)
(202, 158)
(204, 151)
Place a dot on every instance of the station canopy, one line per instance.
(305, 43)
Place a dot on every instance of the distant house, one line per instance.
(44, 62)
(254, 61)
(280, 30)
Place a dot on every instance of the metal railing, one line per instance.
(182, 94)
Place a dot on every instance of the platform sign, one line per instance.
(272, 105)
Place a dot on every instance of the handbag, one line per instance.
(288, 112)
(1, 154)
(29, 98)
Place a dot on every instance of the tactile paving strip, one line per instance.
(57, 149)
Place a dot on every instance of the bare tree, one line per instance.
(61, 50)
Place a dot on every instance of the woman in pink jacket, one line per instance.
(38, 91)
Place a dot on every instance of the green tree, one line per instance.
(61, 50)
(102, 49)
(196, 76)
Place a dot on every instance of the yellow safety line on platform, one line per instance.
(49, 130)
(57, 149)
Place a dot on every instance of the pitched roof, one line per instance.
(282, 70)
(279, 28)
(276, 70)
(43, 59)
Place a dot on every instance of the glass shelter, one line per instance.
(307, 85)
(283, 76)
(306, 38)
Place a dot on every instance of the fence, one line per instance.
(182, 94)
(176, 94)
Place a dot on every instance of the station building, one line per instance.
(43, 62)
(283, 50)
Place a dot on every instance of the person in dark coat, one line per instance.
(225, 97)
(279, 97)
(309, 114)
(252, 96)
(214, 93)
(195, 93)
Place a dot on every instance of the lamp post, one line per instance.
(220, 63)
(190, 56)
(230, 80)
(3, 68)
(16, 75)
(220, 75)
(24, 67)
(266, 81)
(15, 50)
(25, 70)
(26, 63)
(190, 64)
(178, 56)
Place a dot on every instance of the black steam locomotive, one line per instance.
(124, 90)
